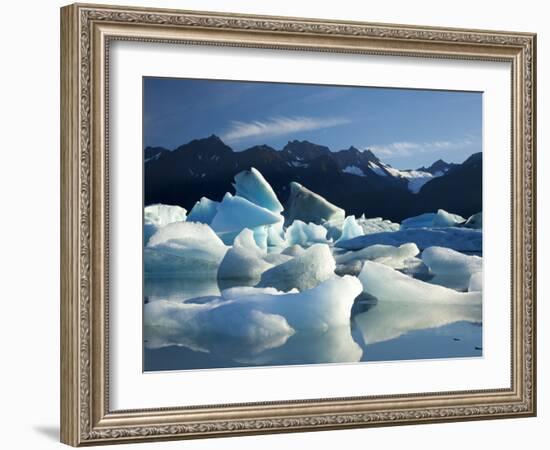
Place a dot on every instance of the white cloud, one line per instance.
(408, 148)
(278, 126)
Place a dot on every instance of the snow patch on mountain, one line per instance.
(354, 170)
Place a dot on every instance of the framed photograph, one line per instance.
(276, 224)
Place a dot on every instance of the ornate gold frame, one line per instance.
(86, 31)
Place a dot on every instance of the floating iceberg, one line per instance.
(389, 320)
(476, 282)
(199, 326)
(440, 219)
(445, 219)
(377, 225)
(389, 285)
(264, 341)
(245, 260)
(368, 226)
(460, 239)
(257, 318)
(475, 221)
(305, 234)
(451, 268)
(276, 235)
(251, 184)
(237, 213)
(203, 211)
(293, 250)
(422, 221)
(159, 215)
(302, 272)
(385, 254)
(185, 248)
(350, 229)
(308, 206)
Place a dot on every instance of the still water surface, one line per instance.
(377, 332)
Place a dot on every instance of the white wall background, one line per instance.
(29, 177)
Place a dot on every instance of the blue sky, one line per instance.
(404, 127)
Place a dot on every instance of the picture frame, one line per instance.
(87, 32)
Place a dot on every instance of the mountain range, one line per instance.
(356, 180)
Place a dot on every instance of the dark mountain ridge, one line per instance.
(355, 180)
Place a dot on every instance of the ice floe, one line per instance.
(368, 226)
(237, 213)
(305, 234)
(440, 219)
(302, 272)
(251, 184)
(246, 260)
(389, 285)
(308, 206)
(199, 326)
(460, 239)
(185, 248)
(451, 268)
(262, 317)
(351, 229)
(389, 255)
(376, 225)
(475, 221)
(446, 219)
(158, 215)
(476, 282)
(203, 211)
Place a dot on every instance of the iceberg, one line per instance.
(158, 215)
(460, 239)
(308, 206)
(445, 219)
(251, 184)
(368, 226)
(451, 268)
(377, 225)
(276, 235)
(350, 229)
(305, 234)
(199, 327)
(476, 282)
(389, 285)
(263, 338)
(184, 248)
(246, 260)
(475, 221)
(203, 211)
(385, 254)
(237, 213)
(293, 250)
(250, 320)
(302, 272)
(422, 221)
(441, 219)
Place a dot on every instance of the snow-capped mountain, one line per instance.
(439, 167)
(354, 179)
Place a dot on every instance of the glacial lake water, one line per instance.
(377, 332)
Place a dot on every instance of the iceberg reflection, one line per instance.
(389, 320)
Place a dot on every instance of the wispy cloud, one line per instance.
(406, 148)
(279, 126)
